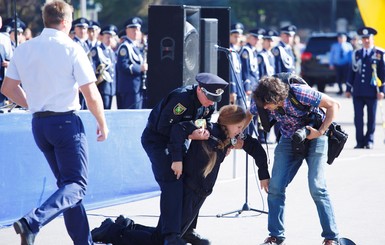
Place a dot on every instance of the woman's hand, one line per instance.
(265, 185)
(199, 134)
(177, 167)
(239, 144)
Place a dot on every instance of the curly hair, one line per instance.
(270, 90)
(228, 115)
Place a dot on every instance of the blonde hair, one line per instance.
(228, 115)
(55, 12)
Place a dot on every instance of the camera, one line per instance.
(314, 120)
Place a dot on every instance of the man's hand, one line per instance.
(348, 94)
(177, 167)
(380, 96)
(102, 133)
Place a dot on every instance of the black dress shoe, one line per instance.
(125, 222)
(27, 236)
(359, 147)
(102, 234)
(194, 238)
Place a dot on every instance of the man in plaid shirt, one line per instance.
(272, 95)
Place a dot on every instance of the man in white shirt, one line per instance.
(48, 88)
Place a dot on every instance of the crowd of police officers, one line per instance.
(120, 63)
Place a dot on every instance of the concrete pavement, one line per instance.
(355, 182)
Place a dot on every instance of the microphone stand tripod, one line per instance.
(245, 206)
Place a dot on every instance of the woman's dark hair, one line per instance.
(270, 90)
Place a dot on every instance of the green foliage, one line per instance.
(310, 14)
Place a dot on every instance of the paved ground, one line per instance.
(355, 180)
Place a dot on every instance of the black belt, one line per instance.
(41, 114)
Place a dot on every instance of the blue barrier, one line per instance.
(119, 169)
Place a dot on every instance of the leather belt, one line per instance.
(42, 114)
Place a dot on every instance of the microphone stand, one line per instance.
(245, 206)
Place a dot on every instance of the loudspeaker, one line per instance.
(222, 14)
(209, 38)
(173, 49)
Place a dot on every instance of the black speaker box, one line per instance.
(222, 14)
(173, 49)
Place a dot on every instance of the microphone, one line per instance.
(223, 49)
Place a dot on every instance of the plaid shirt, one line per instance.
(293, 118)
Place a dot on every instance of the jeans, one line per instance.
(286, 165)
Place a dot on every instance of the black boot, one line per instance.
(125, 222)
(104, 232)
(194, 238)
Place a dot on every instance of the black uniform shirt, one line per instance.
(180, 105)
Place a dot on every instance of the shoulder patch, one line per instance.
(179, 109)
(260, 59)
(245, 54)
(275, 51)
(123, 51)
(93, 52)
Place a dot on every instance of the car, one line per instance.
(315, 60)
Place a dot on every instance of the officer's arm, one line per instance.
(179, 133)
(172, 113)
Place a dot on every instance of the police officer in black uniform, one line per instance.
(104, 60)
(183, 104)
(283, 52)
(366, 85)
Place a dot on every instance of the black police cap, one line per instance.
(134, 22)
(122, 33)
(81, 22)
(20, 25)
(258, 32)
(211, 85)
(109, 29)
(366, 31)
(289, 29)
(93, 24)
(237, 28)
(270, 34)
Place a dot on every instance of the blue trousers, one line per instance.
(63, 141)
(371, 105)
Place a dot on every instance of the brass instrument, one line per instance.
(144, 75)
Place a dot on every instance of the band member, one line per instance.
(104, 60)
(130, 67)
